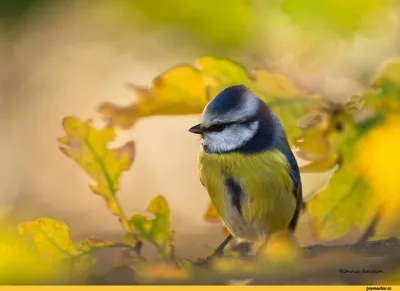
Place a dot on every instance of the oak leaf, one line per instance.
(89, 148)
(155, 230)
(53, 242)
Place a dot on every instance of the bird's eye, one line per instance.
(218, 127)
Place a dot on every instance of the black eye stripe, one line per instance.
(217, 127)
(221, 126)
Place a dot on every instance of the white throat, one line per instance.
(231, 138)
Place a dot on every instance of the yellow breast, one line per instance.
(268, 203)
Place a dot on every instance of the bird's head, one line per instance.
(233, 119)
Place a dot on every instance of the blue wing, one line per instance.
(284, 147)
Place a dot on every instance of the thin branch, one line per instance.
(369, 232)
(138, 248)
(316, 269)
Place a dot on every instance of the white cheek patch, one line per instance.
(231, 137)
(248, 109)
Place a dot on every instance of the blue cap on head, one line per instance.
(236, 119)
(228, 99)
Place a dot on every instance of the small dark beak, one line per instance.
(196, 129)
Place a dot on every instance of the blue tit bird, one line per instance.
(247, 166)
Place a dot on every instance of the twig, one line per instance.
(138, 248)
(369, 232)
(314, 270)
(112, 245)
(378, 255)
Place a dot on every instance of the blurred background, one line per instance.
(60, 58)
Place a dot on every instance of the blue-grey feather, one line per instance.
(294, 172)
(264, 137)
(228, 99)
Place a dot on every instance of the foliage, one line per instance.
(53, 242)
(186, 89)
(20, 264)
(155, 230)
(344, 18)
(229, 30)
(88, 147)
(366, 146)
(382, 144)
(347, 201)
(332, 137)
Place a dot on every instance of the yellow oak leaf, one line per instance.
(225, 72)
(313, 144)
(53, 241)
(286, 101)
(277, 85)
(322, 165)
(20, 264)
(348, 200)
(51, 237)
(319, 130)
(180, 90)
(265, 84)
(186, 89)
(88, 147)
(155, 230)
(376, 162)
